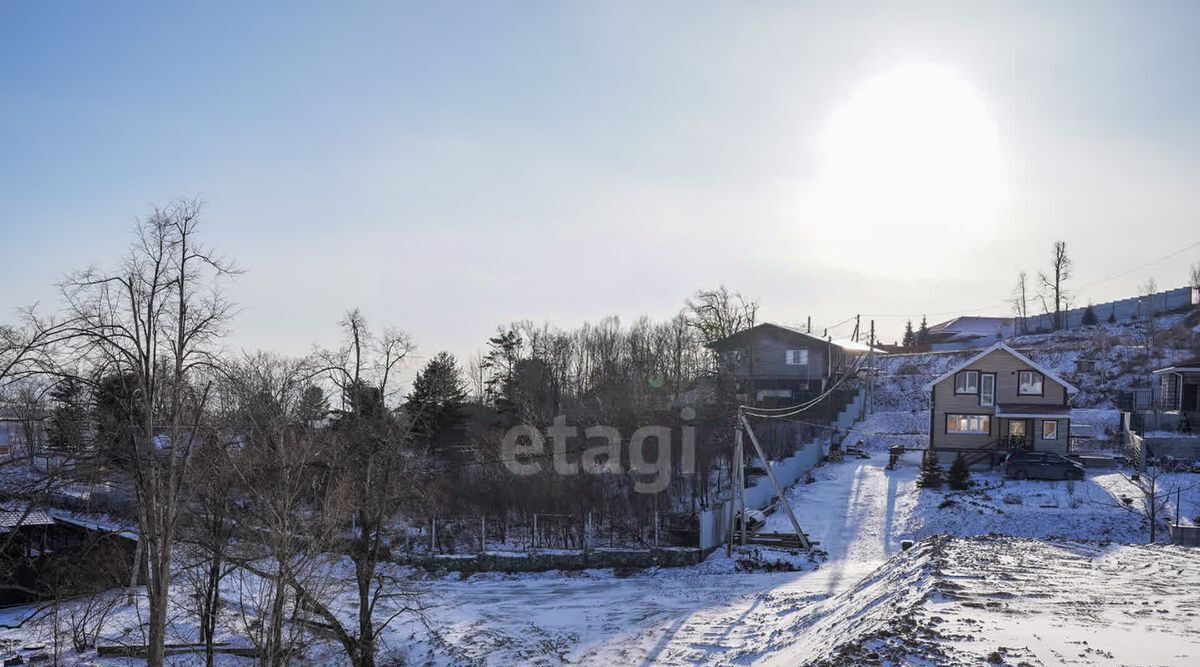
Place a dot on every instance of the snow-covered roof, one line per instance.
(10, 519)
(974, 326)
(1188, 366)
(855, 346)
(1071, 389)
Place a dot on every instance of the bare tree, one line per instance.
(373, 475)
(1020, 301)
(276, 472)
(1052, 282)
(1152, 501)
(719, 313)
(26, 401)
(157, 321)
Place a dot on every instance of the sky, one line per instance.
(450, 167)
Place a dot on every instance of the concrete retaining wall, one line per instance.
(714, 522)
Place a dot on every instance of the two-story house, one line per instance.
(776, 363)
(997, 401)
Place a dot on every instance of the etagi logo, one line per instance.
(523, 449)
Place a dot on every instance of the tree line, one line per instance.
(292, 479)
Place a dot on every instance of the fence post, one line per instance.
(433, 535)
(483, 534)
(533, 539)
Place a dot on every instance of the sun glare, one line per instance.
(910, 168)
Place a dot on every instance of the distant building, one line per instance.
(1180, 388)
(780, 363)
(962, 333)
(999, 401)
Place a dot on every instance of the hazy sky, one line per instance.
(451, 166)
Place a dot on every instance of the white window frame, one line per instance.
(1041, 385)
(797, 357)
(968, 389)
(987, 398)
(1048, 422)
(969, 424)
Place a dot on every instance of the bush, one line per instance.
(959, 477)
(931, 472)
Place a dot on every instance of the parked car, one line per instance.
(1041, 465)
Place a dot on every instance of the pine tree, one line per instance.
(67, 421)
(923, 333)
(1112, 315)
(1089, 316)
(313, 407)
(438, 395)
(500, 362)
(931, 472)
(910, 338)
(959, 477)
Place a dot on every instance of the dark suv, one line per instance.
(1041, 465)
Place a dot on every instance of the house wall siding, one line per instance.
(769, 348)
(1006, 368)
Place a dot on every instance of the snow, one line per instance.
(949, 600)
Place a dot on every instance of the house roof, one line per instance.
(973, 326)
(1186, 366)
(1071, 389)
(844, 343)
(12, 518)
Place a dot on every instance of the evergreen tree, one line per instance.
(959, 477)
(1089, 316)
(910, 338)
(500, 362)
(923, 333)
(116, 404)
(313, 405)
(438, 395)
(1112, 315)
(931, 472)
(68, 420)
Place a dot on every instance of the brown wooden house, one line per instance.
(998, 401)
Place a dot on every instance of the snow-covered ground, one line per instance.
(1061, 590)
(860, 512)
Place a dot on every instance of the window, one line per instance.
(1050, 429)
(1029, 383)
(969, 424)
(966, 382)
(987, 389)
(797, 357)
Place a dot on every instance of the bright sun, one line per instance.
(911, 169)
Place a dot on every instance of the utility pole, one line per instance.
(857, 321)
(741, 481)
(871, 372)
(809, 328)
(733, 486)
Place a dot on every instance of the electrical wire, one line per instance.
(803, 407)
